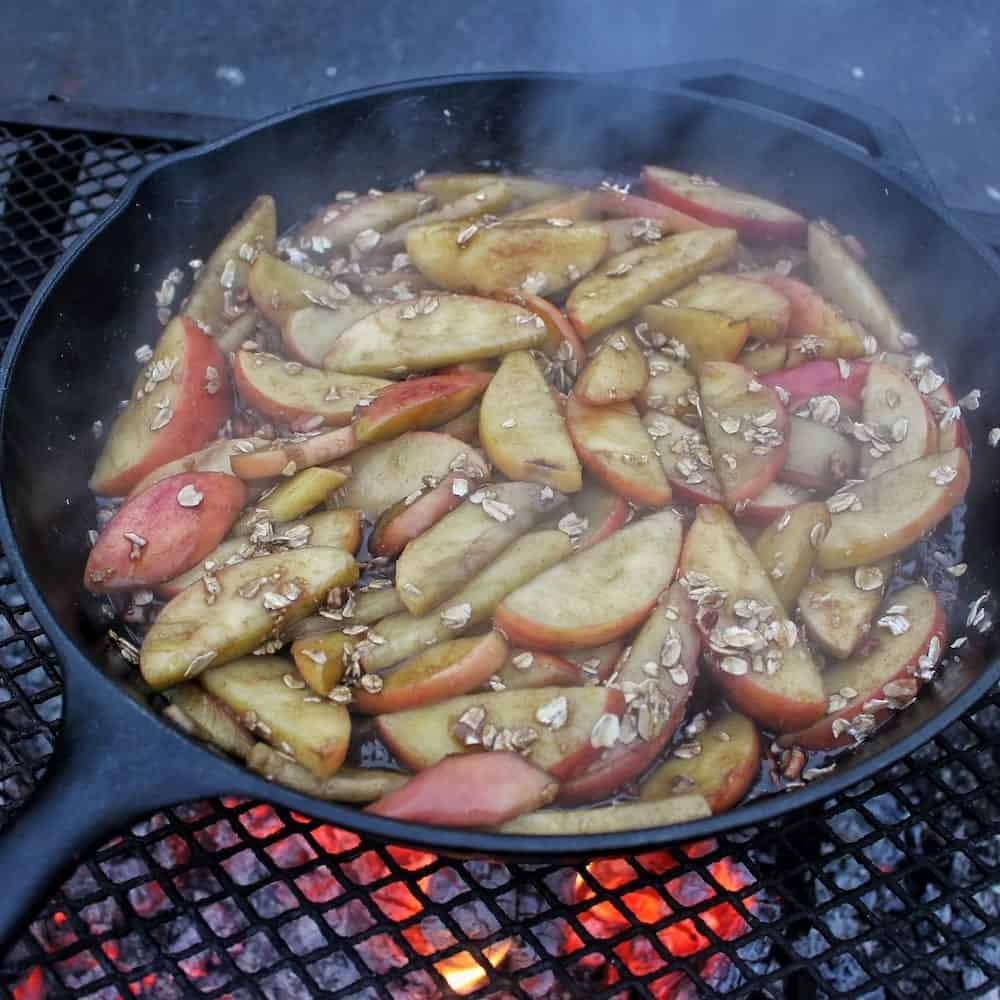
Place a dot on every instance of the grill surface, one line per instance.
(889, 890)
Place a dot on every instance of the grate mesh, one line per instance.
(889, 890)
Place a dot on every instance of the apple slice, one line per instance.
(164, 530)
(774, 501)
(837, 606)
(201, 628)
(522, 430)
(434, 331)
(616, 373)
(465, 257)
(596, 663)
(279, 289)
(817, 457)
(755, 218)
(213, 458)
(842, 277)
(287, 456)
(615, 448)
(451, 668)
(844, 381)
(892, 407)
(293, 394)
(532, 668)
(444, 558)
(600, 513)
(765, 309)
(722, 772)
(671, 389)
(490, 199)
(309, 334)
(470, 790)
(705, 336)
(764, 357)
(418, 404)
(884, 675)
(745, 629)
(618, 818)
(291, 499)
(746, 427)
(620, 204)
(403, 521)
(787, 549)
(316, 734)
(211, 299)
(383, 474)
(657, 677)
(685, 458)
(178, 403)
(336, 225)
(576, 206)
(626, 283)
(349, 784)
(552, 727)
(523, 189)
(202, 715)
(887, 514)
(563, 342)
(601, 593)
(952, 431)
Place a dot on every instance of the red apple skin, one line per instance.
(399, 525)
(418, 404)
(469, 790)
(762, 510)
(198, 414)
(554, 318)
(177, 537)
(616, 517)
(632, 206)
(460, 677)
(790, 229)
(821, 378)
(783, 714)
(319, 450)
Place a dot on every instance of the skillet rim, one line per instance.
(234, 778)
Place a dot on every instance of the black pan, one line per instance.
(72, 351)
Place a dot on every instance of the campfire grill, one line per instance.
(889, 890)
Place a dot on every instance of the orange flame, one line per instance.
(464, 974)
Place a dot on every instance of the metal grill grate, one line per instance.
(892, 889)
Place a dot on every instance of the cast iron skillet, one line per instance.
(116, 758)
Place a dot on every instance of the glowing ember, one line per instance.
(464, 974)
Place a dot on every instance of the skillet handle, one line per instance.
(110, 766)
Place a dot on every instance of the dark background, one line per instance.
(933, 65)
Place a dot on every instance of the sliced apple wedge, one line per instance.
(207, 304)
(201, 628)
(418, 404)
(837, 606)
(817, 457)
(657, 677)
(787, 549)
(626, 283)
(887, 514)
(533, 668)
(746, 427)
(316, 734)
(451, 668)
(765, 309)
(599, 513)
(755, 218)
(616, 449)
(349, 784)
(722, 772)
(706, 336)
(892, 407)
(491, 199)
(686, 460)
(522, 429)
(288, 456)
(842, 277)
(620, 205)
(892, 665)
(213, 458)
(563, 341)
(209, 719)
(294, 394)
(764, 357)
(442, 560)
(309, 334)
(383, 474)
(845, 382)
(562, 746)
(292, 499)
(178, 402)
(523, 190)
(746, 630)
(596, 663)
(403, 521)
(279, 289)
(338, 224)
(464, 257)
(442, 330)
(164, 531)
(576, 206)
(616, 372)
(629, 233)
(671, 389)
(620, 817)
(773, 502)
(470, 790)
(601, 593)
